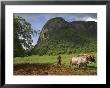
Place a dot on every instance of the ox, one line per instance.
(82, 61)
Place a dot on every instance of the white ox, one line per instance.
(82, 61)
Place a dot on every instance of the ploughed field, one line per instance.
(46, 65)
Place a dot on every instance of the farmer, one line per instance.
(59, 60)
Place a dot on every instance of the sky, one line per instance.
(38, 20)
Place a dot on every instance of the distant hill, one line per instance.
(59, 37)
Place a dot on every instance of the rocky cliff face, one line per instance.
(61, 36)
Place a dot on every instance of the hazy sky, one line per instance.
(38, 20)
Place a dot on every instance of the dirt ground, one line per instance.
(46, 69)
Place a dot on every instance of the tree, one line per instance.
(22, 36)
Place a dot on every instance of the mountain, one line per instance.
(59, 37)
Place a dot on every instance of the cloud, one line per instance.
(91, 19)
(47, 16)
(87, 18)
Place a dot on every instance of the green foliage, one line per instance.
(22, 37)
(65, 48)
(67, 38)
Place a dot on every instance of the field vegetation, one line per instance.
(40, 65)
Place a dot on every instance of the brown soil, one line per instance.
(49, 69)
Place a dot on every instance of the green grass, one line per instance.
(41, 59)
(46, 59)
